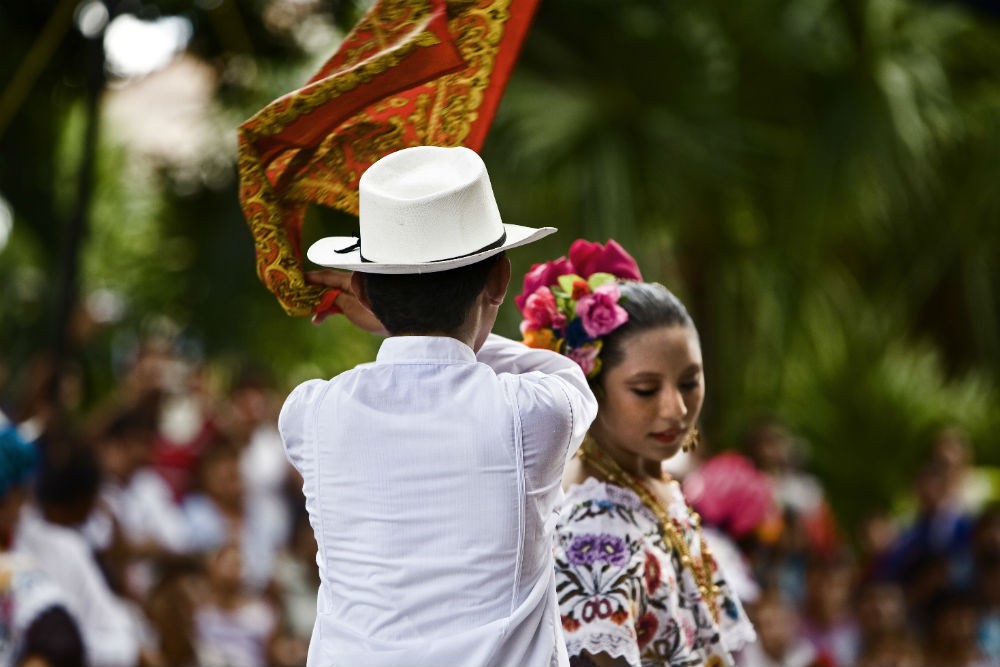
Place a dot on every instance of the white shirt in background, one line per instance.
(109, 634)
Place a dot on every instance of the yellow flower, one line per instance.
(543, 339)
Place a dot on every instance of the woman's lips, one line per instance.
(667, 437)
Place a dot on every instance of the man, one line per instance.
(432, 476)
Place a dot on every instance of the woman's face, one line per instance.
(652, 399)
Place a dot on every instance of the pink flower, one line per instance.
(540, 311)
(599, 311)
(590, 257)
(542, 275)
(586, 358)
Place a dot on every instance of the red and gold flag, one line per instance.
(411, 72)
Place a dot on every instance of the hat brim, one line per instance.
(325, 253)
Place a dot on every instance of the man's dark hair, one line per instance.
(131, 422)
(421, 303)
(55, 637)
(70, 474)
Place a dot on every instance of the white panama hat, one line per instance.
(421, 210)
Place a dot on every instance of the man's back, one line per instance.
(433, 531)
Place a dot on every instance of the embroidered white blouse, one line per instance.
(624, 592)
(432, 481)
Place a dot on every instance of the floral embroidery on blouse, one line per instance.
(622, 590)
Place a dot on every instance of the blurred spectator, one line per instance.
(986, 582)
(807, 525)
(36, 627)
(221, 512)
(881, 612)
(233, 627)
(737, 507)
(938, 536)
(892, 651)
(250, 419)
(827, 618)
(186, 415)
(799, 494)
(884, 636)
(170, 607)
(779, 642)
(45, 398)
(950, 640)
(136, 505)
(877, 533)
(65, 494)
(951, 452)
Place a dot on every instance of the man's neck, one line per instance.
(467, 340)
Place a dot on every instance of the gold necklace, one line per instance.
(703, 568)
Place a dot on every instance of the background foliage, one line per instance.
(816, 179)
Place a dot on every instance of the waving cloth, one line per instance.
(411, 72)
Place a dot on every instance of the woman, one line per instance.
(635, 581)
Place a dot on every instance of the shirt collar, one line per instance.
(402, 349)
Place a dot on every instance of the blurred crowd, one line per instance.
(164, 527)
(913, 586)
(166, 521)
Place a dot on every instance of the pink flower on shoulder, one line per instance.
(599, 311)
(590, 257)
(542, 275)
(540, 311)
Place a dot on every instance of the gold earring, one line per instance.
(691, 440)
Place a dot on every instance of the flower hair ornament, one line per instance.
(569, 304)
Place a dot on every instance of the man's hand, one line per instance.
(347, 301)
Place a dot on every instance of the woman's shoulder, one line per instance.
(598, 503)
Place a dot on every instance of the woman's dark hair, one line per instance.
(427, 302)
(649, 305)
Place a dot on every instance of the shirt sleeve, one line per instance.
(549, 384)
(293, 424)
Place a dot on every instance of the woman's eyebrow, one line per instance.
(644, 375)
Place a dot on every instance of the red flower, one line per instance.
(580, 289)
(542, 275)
(619, 616)
(540, 311)
(651, 573)
(590, 257)
(645, 628)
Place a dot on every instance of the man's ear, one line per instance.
(497, 281)
(358, 287)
